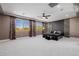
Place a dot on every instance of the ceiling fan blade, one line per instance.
(48, 15)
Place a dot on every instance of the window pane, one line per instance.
(19, 24)
(26, 26)
(39, 26)
(22, 25)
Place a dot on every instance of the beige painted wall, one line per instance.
(4, 27)
(22, 34)
(38, 32)
(74, 27)
(50, 27)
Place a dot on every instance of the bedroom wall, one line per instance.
(22, 33)
(74, 27)
(4, 27)
(50, 27)
(61, 25)
(56, 26)
(66, 27)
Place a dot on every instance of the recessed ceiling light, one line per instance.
(14, 11)
(58, 6)
(66, 15)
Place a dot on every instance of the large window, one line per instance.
(39, 26)
(22, 25)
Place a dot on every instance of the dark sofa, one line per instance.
(53, 35)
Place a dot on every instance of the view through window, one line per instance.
(22, 25)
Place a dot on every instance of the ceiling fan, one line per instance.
(46, 16)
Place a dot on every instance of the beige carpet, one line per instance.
(38, 46)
